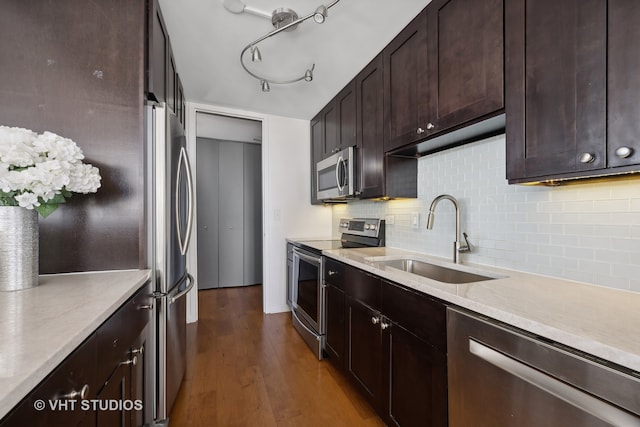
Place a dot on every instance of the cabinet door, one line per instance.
(334, 344)
(465, 59)
(317, 151)
(370, 129)
(157, 54)
(364, 343)
(116, 389)
(556, 87)
(405, 85)
(330, 129)
(346, 103)
(416, 380)
(623, 83)
(141, 382)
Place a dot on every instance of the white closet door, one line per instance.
(252, 214)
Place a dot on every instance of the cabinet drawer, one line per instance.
(334, 273)
(116, 334)
(74, 373)
(422, 315)
(363, 286)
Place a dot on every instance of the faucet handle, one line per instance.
(466, 247)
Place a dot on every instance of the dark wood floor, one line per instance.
(246, 368)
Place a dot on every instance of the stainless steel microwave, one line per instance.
(336, 175)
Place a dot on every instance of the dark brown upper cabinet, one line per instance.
(370, 130)
(317, 147)
(339, 122)
(465, 45)
(157, 53)
(444, 77)
(572, 85)
(406, 86)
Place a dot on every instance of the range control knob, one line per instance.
(367, 227)
(372, 227)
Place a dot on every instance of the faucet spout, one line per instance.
(458, 246)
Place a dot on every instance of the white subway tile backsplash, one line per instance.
(584, 230)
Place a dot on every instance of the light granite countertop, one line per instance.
(41, 326)
(597, 320)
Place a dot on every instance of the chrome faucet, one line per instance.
(458, 246)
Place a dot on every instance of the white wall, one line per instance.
(287, 211)
(587, 230)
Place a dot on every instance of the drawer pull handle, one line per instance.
(81, 394)
(419, 131)
(139, 351)
(145, 307)
(384, 325)
(332, 273)
(375, 320)
(430, 126)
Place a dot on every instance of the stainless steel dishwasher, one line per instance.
(501, 376)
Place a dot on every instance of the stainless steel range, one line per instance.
(307, 281)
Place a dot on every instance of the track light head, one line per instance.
(255, 54)
(308, 75)
(265, 86)
(321, 14)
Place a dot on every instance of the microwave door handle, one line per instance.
(339, 163)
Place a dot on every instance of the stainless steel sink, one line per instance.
(433, 271)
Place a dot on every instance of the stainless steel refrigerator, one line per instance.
(170, 208)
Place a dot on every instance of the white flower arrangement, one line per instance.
(41, 171)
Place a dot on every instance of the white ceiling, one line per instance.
(207, 41)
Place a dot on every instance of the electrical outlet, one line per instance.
(389, 219)
(415, 219)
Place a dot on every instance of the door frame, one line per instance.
(192, 111)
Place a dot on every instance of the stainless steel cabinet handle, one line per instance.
(430, 126)
(586, 158)
(133, 361)
(549, 384)
(81, 394)
(419, 131)
(145, 307)
(375, 320)
(624, 152)
(139, 351)
(331, 272)
(384, 325)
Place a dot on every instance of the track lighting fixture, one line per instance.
(283, 20)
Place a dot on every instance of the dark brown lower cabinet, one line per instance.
(104, 382)
(396, 350)
(364, 365)
(334, 343)
(416, 380)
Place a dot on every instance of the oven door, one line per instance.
(307, 289)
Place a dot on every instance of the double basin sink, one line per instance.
(430, 270)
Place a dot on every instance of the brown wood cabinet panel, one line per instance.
(363, 286)
(623, 84)
(346, 103)
(466, 61)
(334, 273)
(317, 152)
(56, 76)
(334, 338)
(556, 86)
(157, 53)
(370, 129)
(330, 123)
(405, 85)
(416, 380)
(364, 342)
(424, 316)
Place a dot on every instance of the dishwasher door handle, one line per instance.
(553, 386)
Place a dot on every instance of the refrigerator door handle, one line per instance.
(175, 297)
(183, 240)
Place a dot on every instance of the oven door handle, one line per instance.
(312, 332)
(310, 259)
